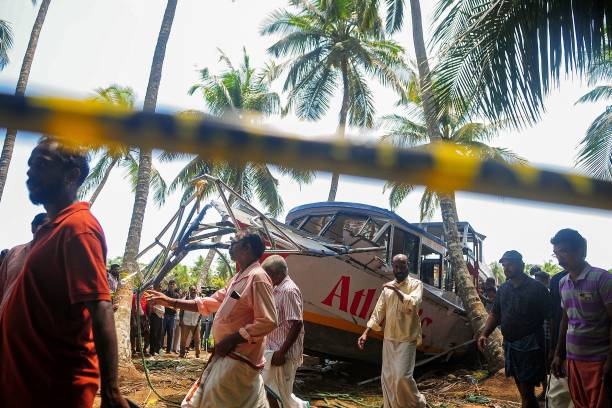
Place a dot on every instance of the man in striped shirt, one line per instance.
(284, 346)
(584, 335)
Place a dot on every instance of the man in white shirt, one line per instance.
(398, 307)
(190, 324)
(284, 346)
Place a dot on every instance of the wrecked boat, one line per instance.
(339, 254)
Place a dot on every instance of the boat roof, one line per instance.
(437, 228)
(357, 208)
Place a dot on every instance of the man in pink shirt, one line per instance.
(13, 263)
(245, 314)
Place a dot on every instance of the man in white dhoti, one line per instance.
(398, 306)
(245, 314)
(284, 346)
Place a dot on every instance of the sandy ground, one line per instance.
(332, 385)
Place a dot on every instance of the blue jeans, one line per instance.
(168, 331)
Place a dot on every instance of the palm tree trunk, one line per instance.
(333, 189)
(22, 83)
(132, 245)
(107, 173)
(210, 257)
(463, 280)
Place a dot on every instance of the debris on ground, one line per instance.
(332, 384)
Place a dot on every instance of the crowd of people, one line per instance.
(557, 325)
(59, 344)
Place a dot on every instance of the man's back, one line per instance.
(46, 326)
(10, 269)
(289, 307)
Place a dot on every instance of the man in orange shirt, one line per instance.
(13, 263)
(245, 314)
(57, 333)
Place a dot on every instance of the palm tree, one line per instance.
(143, 181)
(595, 155)
(409, 131)
(244, 92)
(330, 43)
(118, 156)
(22, 82)
(6, 42)
(505, 56)
(465, 288)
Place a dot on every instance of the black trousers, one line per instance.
(168, 331)
(157, 333)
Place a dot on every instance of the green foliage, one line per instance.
(120, 156)
(595, 154)
(549, 267)
(220, 274)
(506, 55)
(409, 131)
(184, 276)
(498, 272)
(329, 43)
(6, 43)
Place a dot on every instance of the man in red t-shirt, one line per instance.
(57, 334)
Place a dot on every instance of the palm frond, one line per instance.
(299, 176)
(505, 56)
(402, 132)
(159, 187)
(395, 15)
(6, 43)
(266, 188)
(361, 102)
(602, 92)
(95, 176)
(399, 191)
(595, 154)
(428, 205)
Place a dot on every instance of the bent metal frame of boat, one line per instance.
(329, 273)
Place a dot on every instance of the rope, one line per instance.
(443, 167)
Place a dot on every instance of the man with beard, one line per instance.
(398, 306)
(14, 261)
(57, 334)
(585, 331)
(520, 308)
(245, 314)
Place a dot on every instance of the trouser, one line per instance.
(156, 333)
(280, 380)
(195, 334)
(588, 384)
(398, 384)
(176, 337)
(168, 331)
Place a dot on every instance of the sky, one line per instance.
(89, 44)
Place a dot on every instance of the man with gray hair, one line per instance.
(284, 345)
(398, 307)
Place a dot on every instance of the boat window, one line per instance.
(344, 227)
(296, 222)
(315, 223)
(431, 267)
(407, 244)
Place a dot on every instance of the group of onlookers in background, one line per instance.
(559, 325)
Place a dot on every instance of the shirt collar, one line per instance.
(68, 211)
(584, 272)
(247, 271)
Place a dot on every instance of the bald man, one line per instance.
(398, 306)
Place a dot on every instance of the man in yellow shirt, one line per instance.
(397, 306)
